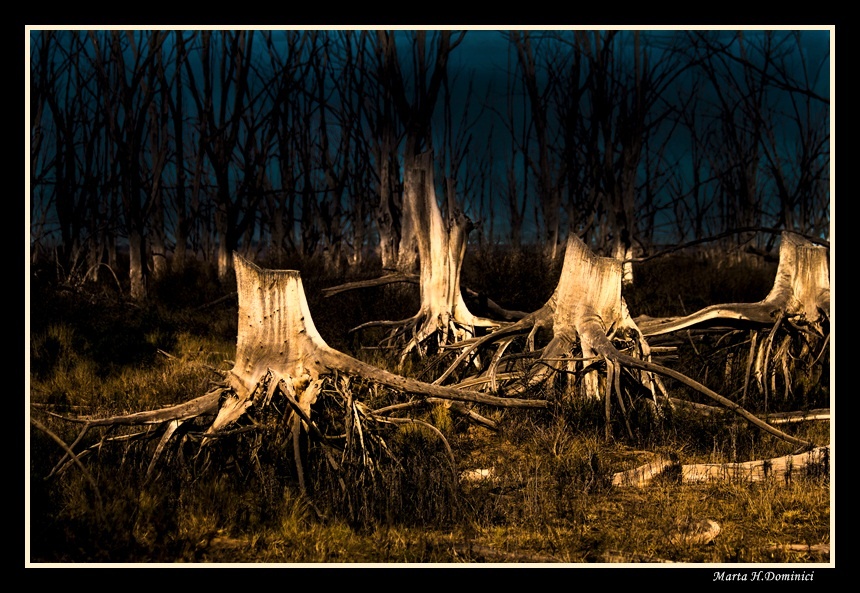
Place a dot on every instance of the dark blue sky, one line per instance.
(485, 58)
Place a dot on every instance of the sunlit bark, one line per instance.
(801, 291)
(281, 354)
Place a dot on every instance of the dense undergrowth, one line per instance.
(545, 494)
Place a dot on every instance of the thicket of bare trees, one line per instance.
(177, 144)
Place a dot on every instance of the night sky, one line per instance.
(486, 59)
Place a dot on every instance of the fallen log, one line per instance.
(818, 414)
(780, 470)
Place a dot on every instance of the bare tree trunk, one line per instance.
(549, 191)
(137, 265)
(110, 238)
(222, 229)
(94, 258)
(158, 243)
(180, 232)
(441, 247)
(415, 112)
(408, 249)
(387, 215)
(128, 107)
(226, 72)
(158, 148)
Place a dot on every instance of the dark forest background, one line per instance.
(153, 148)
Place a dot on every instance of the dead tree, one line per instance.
(443, 314)
(789, 330)
(801, 292)
(594, 343)
(590, 326)
(129, 89)
(282, 358)
(226, 70)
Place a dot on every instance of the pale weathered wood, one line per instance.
(822, 548)
(696, 533)
(818, 414)
(199, 406)
(789, 328)
(276, 332)
(589, 321)
(278, 347)
(590, 325)
(443, 315)
(734, 407)
(643, 474)
(779, 469)
(801, 290)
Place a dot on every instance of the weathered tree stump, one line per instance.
(590, 327)
(443, 316)
(788, 331)
(800, 293)
(280, 353)
(593, 340)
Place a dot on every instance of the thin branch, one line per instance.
(71, 454)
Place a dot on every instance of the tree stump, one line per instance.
(442, 314)
(800, 292)
(280, 353)
(590, 327)
(789, 330)
(593, 339)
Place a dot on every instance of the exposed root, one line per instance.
(590, 328)
(634, 362)
(801, 290)
(432, 429)
(582, 340)
(204, 405)
(443, 316)
(77, 461)
(280, 357)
